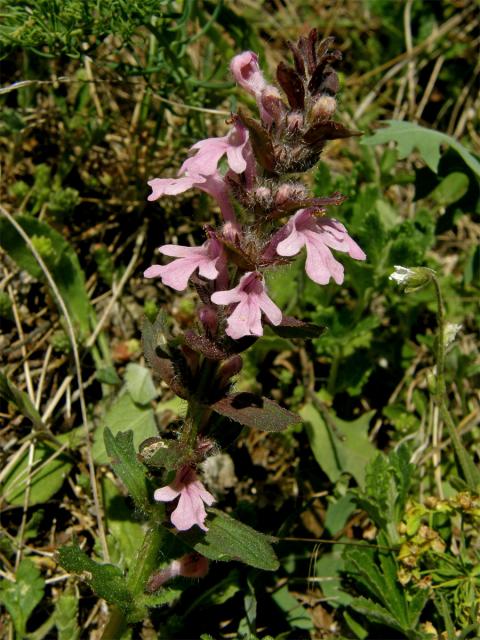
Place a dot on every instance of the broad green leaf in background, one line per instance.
(295, 614)
(228, 539)
(140, 384)
(328, 569)
(125, 534)
(410, 136)
(44, 484)
(66, 615)
(338, 512)
(339, 447)
(22, 596)
(123, 458)
(451, 188)
(61, 260)
(122, 415)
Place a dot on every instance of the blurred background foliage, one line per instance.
(96, 99)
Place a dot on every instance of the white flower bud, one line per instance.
(412, 279)
(401, 275)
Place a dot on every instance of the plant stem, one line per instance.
(146, 564)
(466, 464)
(116, 625)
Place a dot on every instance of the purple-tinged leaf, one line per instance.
(330, 130)
(323, 70)
(253, 411)
(156, 350)
(204, 345)
(291, 327)
(312, 47)
(297, 59)
(330, 84)
(292, 84)
(260, 140)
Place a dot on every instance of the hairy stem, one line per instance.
(465, 462)
(146, 563)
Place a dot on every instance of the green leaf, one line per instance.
(328, 569)
(44, 484)
(338, 512)
(108, 375)
(450, 189)
(295, 614)
(106, 580)
(124, 461)
(140, 384)
(386, 490)
(64, 265)
(416, 606)
(10, 393)
(228, 539)
(124, 414)
(339, 446)
(253, 411)
(362, 565)
(125, 534)
(159, 453)
(165, 596)
(375, 613)
(66, 615)
(22, 596)
(409, 136)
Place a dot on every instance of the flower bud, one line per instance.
(262, 196)
(294, 121)
(272, 103)
(192, 565)
(323, 109)
(229, 369)
(231, 231)
(287, 192)
(209, 319)
(412, 279)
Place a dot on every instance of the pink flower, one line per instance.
(209, 152)
(209, 259)
(247, 73)
(252, 299)
(318, 235)
(190, 510)
(213, 184)
(192, 565)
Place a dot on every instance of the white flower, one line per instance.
(401, 275)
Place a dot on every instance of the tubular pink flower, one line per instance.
(192, 565)
(209, 152)
(247, 73)
(213, 184)
(318, 235)
(190, 510)
(251, 296)
(209, 259)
